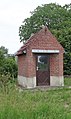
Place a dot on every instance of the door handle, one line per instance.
(37, 69)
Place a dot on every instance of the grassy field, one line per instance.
(36, 104)
(67, 81)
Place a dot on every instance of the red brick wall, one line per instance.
(61, 64)
(56, 64)
(22, 65)
(31, 61)
(45, 41)
(27, 64)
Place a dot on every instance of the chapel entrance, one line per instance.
(43, 70)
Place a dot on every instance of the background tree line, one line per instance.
(7, 63)
(58, 20)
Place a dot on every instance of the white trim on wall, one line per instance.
(44, 51)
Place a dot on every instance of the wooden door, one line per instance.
(42, 70)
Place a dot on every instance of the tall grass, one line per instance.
(35, 104)
(67, 81)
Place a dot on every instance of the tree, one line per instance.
(7, 63)
(4, 50)
(10, 67)
(52, 15)
(58, 20)
(2, 60)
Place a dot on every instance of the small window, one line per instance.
(42, 62)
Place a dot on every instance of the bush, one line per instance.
(6, 82)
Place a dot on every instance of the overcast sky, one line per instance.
(12, 13)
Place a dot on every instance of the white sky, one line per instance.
(12, 13)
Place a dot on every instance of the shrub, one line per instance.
(6, 82)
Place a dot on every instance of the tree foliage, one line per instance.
(7, 63)
(58, 20)
(4, 50)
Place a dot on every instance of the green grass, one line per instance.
(36, 104)
(67, 81)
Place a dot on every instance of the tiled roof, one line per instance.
(38, 35)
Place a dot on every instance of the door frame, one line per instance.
(36, 55)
